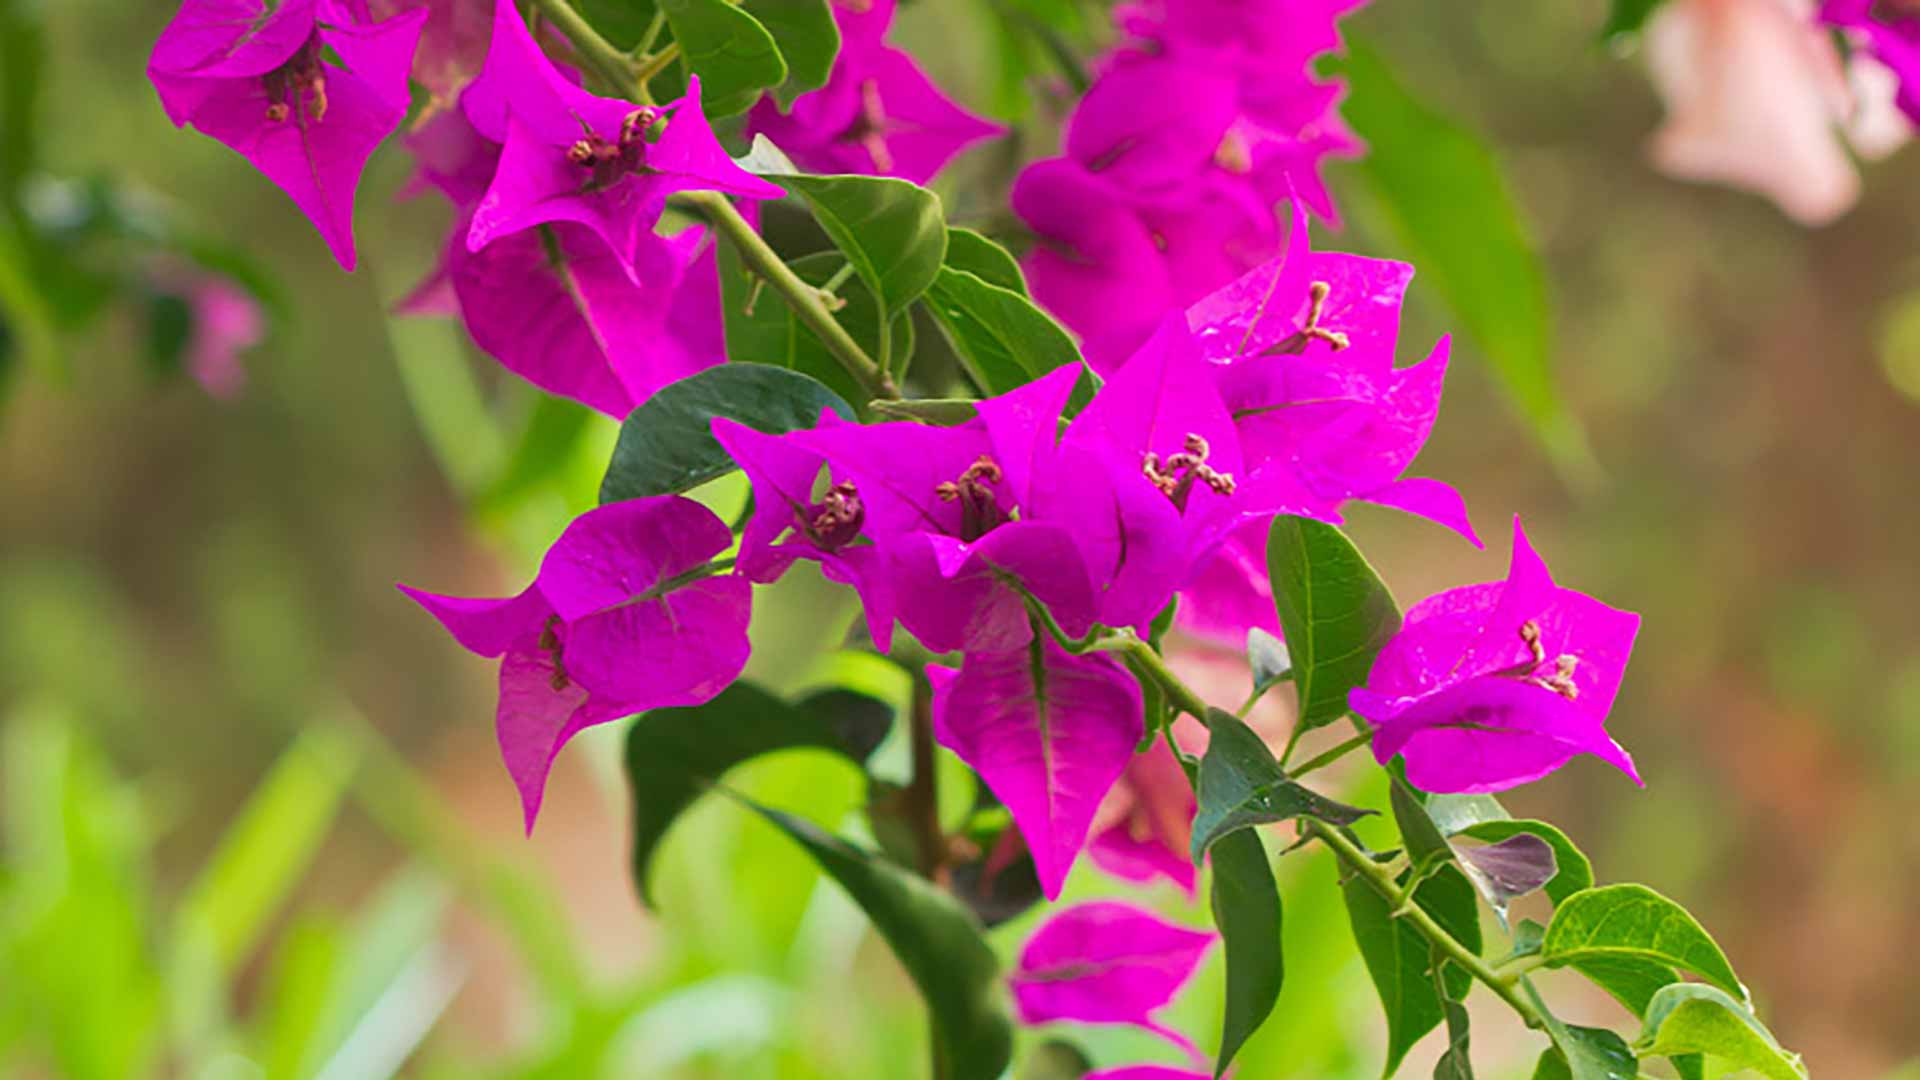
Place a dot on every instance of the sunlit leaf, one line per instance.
(1633, 920)
(1335, 613)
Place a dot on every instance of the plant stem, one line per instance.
(1142, 654)
(608, 61)
(1382, 880)
(1334, 754)
(658, 62)
(923, 787)
(805, 300)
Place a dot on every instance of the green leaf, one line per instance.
(975, 254)
(269, 846)
(553, 428)
(1399, 959)
(1573, 872)
(666, 445)
(762, 329)
(1241, 785)
(728, 49)
(674, 755)
(1631, 980)
(1055, 1059)
(891, 231)
(1687, 1018)
(945, 412)
(1450, 207)
(23, 63)
(1427, 850)
(1635, 921)
(1001, 338)
(808, 40)
(1246, 908)
(622, 22)
(1626, 18)
(1582, 1053)
(935, 939)
(1334, 613)
(1455, 1062)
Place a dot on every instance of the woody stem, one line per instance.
(804, 299)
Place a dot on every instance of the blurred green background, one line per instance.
(252, 817)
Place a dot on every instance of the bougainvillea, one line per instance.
(1053, 538)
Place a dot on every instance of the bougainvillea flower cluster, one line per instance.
(1198, 125)
(1890, 29)
(878, 113)
(1491, 686)
(305, 90)
(626, 615)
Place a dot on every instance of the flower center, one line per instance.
(1233, 154)
(980, 511)
(869, 127)
(834, 521)
(1176, 475)
(1311, 330)
(299, 86)
(609, 161)
(550, 643)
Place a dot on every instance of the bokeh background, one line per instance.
(196, 599)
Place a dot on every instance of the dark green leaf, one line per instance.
(762, 329)
(1572, 871)
(1427, 850)
(1455, 1062)
(1267, 658)
(622, 22)
(674, 755)
(1246, 908)
(808, 40)
(666, 445)
(1627, 17)
(938, 943)
(975, 254)
(1055, 1059)
(1581, 1053)
(1241, 785)
(1334, 613)
(1687, 1018)
(1002, 339)
(1398, 957)
(728, 49)
(1448, 201)
(891, 231)
(1635, 921)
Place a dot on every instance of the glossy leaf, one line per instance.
(937, 942)
(1335, 613)
(891, 231)
(808, 40)
(1399, 960)
(1427, 849)
(1001, 338)
(1635, 921)
(1687, 1018)
(666, 446)
(1246, 908)
(1241, 785)
(761, 329)
(728, 49)
(1631, 980)
(675, 755)
(1572, 871)
(1582, 1053)
(973, 253)
(1444, 192)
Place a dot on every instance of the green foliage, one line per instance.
(1427, 849)
(734, 56)
(808, 40)
(1241, 785)
(1626, 18)
(1399, 959)
(667, 445)
(1246, 908)
(1001, 338)
(1687, 1018)
(1452, 212)
(762, 330)
(675, 755)
(935, 939)
(1634, 921)
(891, 231)
(623, 22)
(1456, 1061)
(1334, 611)
(973, 253)
(1583, 1053)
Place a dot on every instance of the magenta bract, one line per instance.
(878, 113)
(620, 620)
(1105, 962)
(1892, 32)
(304, 90)
(1494, 685)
